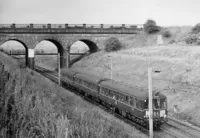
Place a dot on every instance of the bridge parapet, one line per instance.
(71, 28)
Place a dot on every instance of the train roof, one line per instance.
(89, 78)
(125, 89)
(160, 95)
(128, 90)
(70, 72)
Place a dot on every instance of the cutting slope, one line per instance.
(179, 77)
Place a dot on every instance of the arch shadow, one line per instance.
(21, 42)
(92, 49)
(92, 46)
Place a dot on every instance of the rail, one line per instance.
(71, 28)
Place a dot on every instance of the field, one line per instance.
(33, 106)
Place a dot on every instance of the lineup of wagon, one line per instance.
(130, 102)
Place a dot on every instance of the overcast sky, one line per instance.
(164, 12)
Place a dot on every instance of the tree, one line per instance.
(150, 27)
(112, 44)
(196, 29)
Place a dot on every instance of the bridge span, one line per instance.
(63, 36)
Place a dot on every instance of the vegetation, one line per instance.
(167, 34)
(172, 41)
(196, 29)
(150, 27)
(191, 39)
(33, 106)
(112, 44)
(193, 36)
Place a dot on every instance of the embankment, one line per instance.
(33, 106)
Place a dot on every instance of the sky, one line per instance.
(164, 12)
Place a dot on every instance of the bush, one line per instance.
(167, 34)
(191, 39)
(172, 41)
(150, 27)
(196, 29)
(112, 44)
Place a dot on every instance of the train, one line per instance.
(130, 102)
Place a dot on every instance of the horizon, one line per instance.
(165, 13)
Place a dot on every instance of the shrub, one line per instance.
(172, 41)
(150, 27)
(112, 44)
(191, 39)
(167, 34)
(196, 29)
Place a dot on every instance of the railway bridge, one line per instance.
(63, 36)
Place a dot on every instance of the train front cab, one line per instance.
(159, 110)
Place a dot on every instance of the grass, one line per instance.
(33, 106)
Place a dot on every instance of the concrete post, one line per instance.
(31, 26)
(66, 57)
(101, 26)
(31, 60)
(84, 26)
(150, 103)
(66, 26)
(49, 26)
(123, 27)
(13, 25)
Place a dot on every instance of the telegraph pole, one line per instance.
(110, 67)
(58, 68)
(150, 103)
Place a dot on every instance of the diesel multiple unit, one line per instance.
(130, 102)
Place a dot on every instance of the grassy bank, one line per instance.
(178, 79)
(33, 106)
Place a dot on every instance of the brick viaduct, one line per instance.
(63, 36)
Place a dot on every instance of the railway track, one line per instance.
(181, 129)
(168, 130)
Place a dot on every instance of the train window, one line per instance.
(102, 90)
(146, 102)
(163, 104)
(156, 103)
(127, 99)
(131, 101)
(75, 79)
(71, 78)
(106, 93)
(79, 81)
(138, 103)
(89, 85)
(117, 96)
(86, 84)
(95, 87)
(111, 94)
(122, 98)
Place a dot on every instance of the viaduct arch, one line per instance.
(22, 43)
(62, 48)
